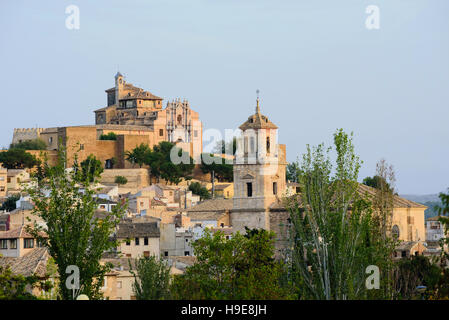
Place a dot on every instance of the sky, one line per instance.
(316, 64)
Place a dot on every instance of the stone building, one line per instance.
(259, 173)
(136, 116)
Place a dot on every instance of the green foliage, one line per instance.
(160, 162)
(417, 271)
(91, 168)
(335, 234)
(293, 172)
(222, 170)
(376, 182)
(109, 136)
(17, 159)
(239, 268)
(75, 236)
(151, 278)
(199, 190)
(225, 148)
(10, 203)
(14, 287)
(138, 155)
(36, 144)
(121, 180)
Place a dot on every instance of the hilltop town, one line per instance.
(163, 218)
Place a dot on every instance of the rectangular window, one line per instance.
(2, 188)
(187, 253)
(249, 189)
(195, 133)
(275, 187)
(119, 284)
(13, 243)
(128, 242)
(28, 243)
(3, 244)
(9, 180)
(145, 241)
(81, 146)
(146, 254)
(137, 241)
(161, 132)
(166, 253)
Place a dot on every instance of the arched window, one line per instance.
(179, 119)
(395, 232)
(268, 144)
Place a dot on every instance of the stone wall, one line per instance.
(137, 178)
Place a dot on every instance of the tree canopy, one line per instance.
(17, 159)
(35, 144)
(160, 162)
(216, 164)
(242, 267)
(75, 237)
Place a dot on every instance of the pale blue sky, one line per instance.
(318, 68)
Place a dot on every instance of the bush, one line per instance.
(10, 203)
(109, 136)
(121, 180)
(17, 159)
(36, 144)
(199, 190)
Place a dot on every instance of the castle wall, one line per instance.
(24, 134)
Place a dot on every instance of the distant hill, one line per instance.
(421, 198)
(429, 200)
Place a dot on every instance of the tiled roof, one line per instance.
(258, 121)
(363, 190)
(204, 215)
(142, 229)
(33, 263)
(398, 202)
(19, 232)
(217, 204)
(220, 186)
(436, 218)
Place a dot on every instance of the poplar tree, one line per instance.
(65, 200)
(334, 230)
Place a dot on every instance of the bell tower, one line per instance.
(119, 82)
(259, 172)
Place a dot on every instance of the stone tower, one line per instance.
(119, 82)
(259, 173)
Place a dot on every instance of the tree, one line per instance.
(109, 136)
(17, 159)
(334, 237)
(36, 144)
(91, 168)
(10, 203)
(292, 173)
(223, 147)
(138, 154)
(376, 181)
(199, 190)
(121, 180)
(238, 268)
(151, 278)
(416, 271)
(14, 287)
(162, 165)
(222, 171)
(74, 236)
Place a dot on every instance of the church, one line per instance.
(135, 116)
(260, 192)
